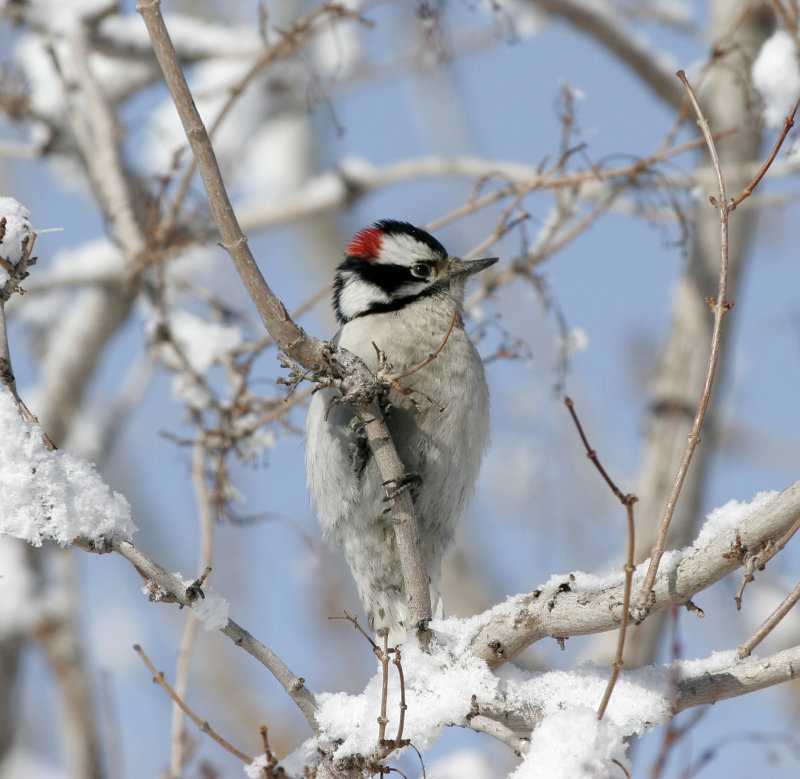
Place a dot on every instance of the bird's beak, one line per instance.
(466, 268)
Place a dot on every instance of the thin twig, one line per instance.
(383, 657)
(309, 351)
(16, 273)
(287, 335)
(626, 606)
(288, 44)
(627, 501)
(399, 665)
(272, 762)
(592, 454)
(202, 724)
(206, 519)
(757, 560)
(387, 746)
(431, 357)
(769, 624)
(358, 627)
(720, 307)
(174, 589)
(624, 770)
(747, 191)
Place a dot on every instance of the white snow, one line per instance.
(567, 741)
(52, 495)
(255, 770)
(212, 610)
(44, 86)
(202, 342)
(776, 75)
(17, 231)
(339, 48)
(97, 260)
(570, 742)
(192, 36)
(574, 341)
(731, 516)
(714, 663)
(463, 764)
(438, 690)
(276, 159)
(440, 687)
(56, 16)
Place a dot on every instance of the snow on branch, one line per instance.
(549, 719)
(52, 495)
(579, 604)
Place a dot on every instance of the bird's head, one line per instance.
(392, 264)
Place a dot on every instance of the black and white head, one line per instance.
(392, 264)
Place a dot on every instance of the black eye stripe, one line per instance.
(386, 277)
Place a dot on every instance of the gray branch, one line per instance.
(569, 610)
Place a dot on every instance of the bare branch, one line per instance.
(627, 501)
(770, 623)
(205, 515)
(174, 589)
(720, 307)
(203, 725)
(296, 343)
(747, 191)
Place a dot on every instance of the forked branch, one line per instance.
(357, 383)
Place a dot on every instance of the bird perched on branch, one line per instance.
(400, 291)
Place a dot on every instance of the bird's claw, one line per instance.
(405, 483)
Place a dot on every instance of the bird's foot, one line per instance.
(408, 482)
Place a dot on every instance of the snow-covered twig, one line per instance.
(739, 678)
(696, 683)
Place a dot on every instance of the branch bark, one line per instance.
(740, 678)
(174, 588)
(567, 609)
(307, 350)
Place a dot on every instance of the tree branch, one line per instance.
(568, 609)
(720, 306)
(702, 687)
(175, 589)
(307, 350)
(739, 678)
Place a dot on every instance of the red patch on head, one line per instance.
(365, 244)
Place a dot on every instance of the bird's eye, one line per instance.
(421, 270)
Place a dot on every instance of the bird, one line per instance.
(399, 292)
